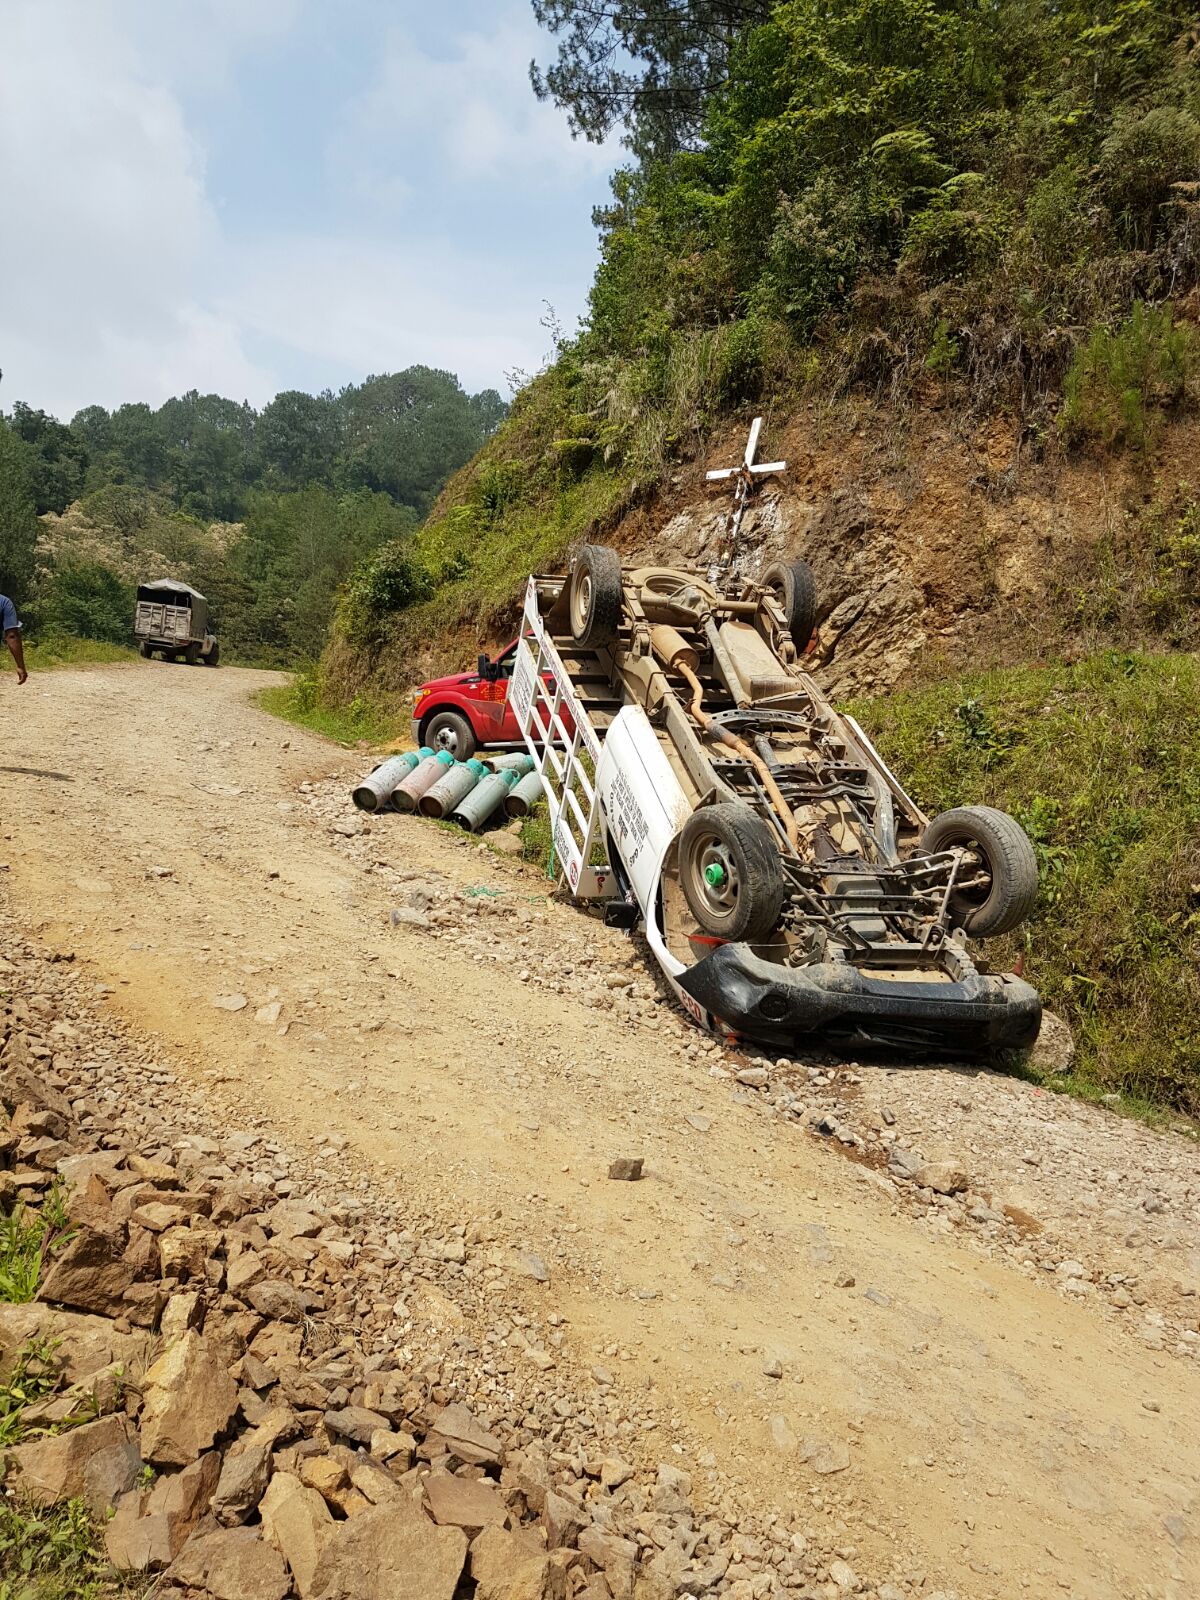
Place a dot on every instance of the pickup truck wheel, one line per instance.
(1000, 859)
(145, 651)
(595, 596)
(450, 731)
(192, 655)
(213, 657)
(730, 871)
(795, 587)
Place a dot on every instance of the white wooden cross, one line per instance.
(748, 475)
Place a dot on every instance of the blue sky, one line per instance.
(253, 195)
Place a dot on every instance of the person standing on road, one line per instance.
(10, 630)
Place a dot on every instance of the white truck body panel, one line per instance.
(644, 805)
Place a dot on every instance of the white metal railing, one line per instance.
(565, 748)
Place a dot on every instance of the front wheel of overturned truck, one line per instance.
(595, 596)
(998, 873)
(795, 588)
(730, 872)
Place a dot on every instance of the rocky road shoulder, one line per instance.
(1105, 1207)
(290, 1385)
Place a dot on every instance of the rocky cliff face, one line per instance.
(935, 543)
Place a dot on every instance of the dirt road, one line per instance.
(959, 1406)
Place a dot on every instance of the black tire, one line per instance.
(145, 651)
(192, 655)
(795, 587)
(213, 658)
(450, 730)
(595, 599)
(747, 903)
(1007, 857)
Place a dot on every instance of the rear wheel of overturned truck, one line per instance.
(595, 599)
(997, 880)
(730, 872)
(794, 586)
(450, 731)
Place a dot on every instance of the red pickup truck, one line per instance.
(466, 710)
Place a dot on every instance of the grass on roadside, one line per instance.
(26, 1240)
(362, 719)
(1100, 761)
(52, 651)
(55, 1554)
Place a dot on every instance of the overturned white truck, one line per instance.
(701, 784)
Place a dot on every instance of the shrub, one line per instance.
(961, 230)
(812, 255)
(1140, 160)
(1100, 762)
(86, 600)
(389, 581)
(1121, 379)
(572, 458)
(739, 362)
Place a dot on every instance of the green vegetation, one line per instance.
(51, 651)
(868, 168)
(1100, 761)
(26, 1240)
(359, 721)
(870, 196)
(54, 1554)
(32, 1379)
(400, 434)
(1123, 379)
(266, 513)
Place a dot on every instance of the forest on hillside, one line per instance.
(996, 206)
(266, 512)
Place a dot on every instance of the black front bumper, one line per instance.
(780, 1006)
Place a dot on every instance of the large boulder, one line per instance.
(390, 1552)
(149, 1530)
(297, 1522)
(244, 1474)
(513, 1566)
(188, 1399)
(48, 1470)
(82, 1345)
(464, 1502)
(90, 1273)
(455, 1429)
(234, 1564)
(110, 1473)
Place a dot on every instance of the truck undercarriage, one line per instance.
(699, 779)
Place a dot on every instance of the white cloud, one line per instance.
(469, 112)
(109, 230)
(123, 279)
(354, 305)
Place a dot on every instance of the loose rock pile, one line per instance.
(976, 1163)
(258, 1424)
